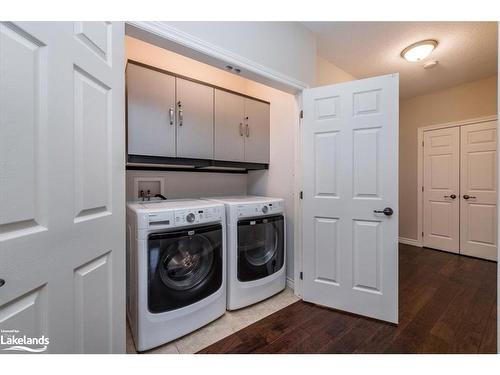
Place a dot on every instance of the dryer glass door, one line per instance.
(183, 267)
(261, 249)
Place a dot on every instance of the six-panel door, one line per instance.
(441, 196)
(229, 126)
(478, 190)
(350, 156)
(62, 193)
(150, 112)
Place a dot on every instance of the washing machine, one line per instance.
(176, 268)
(256, 248)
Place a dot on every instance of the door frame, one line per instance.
(420, 166)
(173, 39)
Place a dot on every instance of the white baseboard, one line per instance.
(290, 283)
(410, 241)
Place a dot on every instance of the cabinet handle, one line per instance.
(247, 130)
(181, 117)
(171, 114)
(241, 129)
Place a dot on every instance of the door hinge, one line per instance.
(301, 114)
(422, 234)
(422, 188)
(301, 275)
(422, 143)
(301, 194)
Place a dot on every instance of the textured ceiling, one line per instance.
(467, 51)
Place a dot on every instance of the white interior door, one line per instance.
(62, 157)
(478, 190)
(350, 153)
(441, 198)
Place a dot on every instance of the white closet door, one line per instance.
(478, 219)
(62, 185)
(442, 189)
(350, 140)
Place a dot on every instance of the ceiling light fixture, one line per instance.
(419, 51)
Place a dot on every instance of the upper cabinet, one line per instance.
(151, 112)
(175, 117)
(195, 120)
(256, 131)
(229, 126)
(241, 128)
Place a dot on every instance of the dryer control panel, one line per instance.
(173, 218)
(197, 216)
(260, 209)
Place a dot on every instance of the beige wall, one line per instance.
(470, 100)
(328, 73)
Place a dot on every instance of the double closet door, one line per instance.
(460, 189)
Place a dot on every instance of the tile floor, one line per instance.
(229, 323)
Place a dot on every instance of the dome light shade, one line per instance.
(419, 51)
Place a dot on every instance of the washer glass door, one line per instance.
(183, 267)
(261, 250)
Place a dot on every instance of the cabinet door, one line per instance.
(256, 131)
(151, 112)
(195, 120)
(229, 126)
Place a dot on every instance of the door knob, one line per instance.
(466, 196)
(386, 211)
(452, 196)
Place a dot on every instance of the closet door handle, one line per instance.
(181, 115)
(171, 115)
(247, 130)
(241, 129)
(466, 196)
(452, 196)
(386, 211)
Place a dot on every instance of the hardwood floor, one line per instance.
(447, 304)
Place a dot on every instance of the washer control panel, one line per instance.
(260, 209)
(196, 216)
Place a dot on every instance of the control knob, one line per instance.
(264, 209)
(190, 217)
